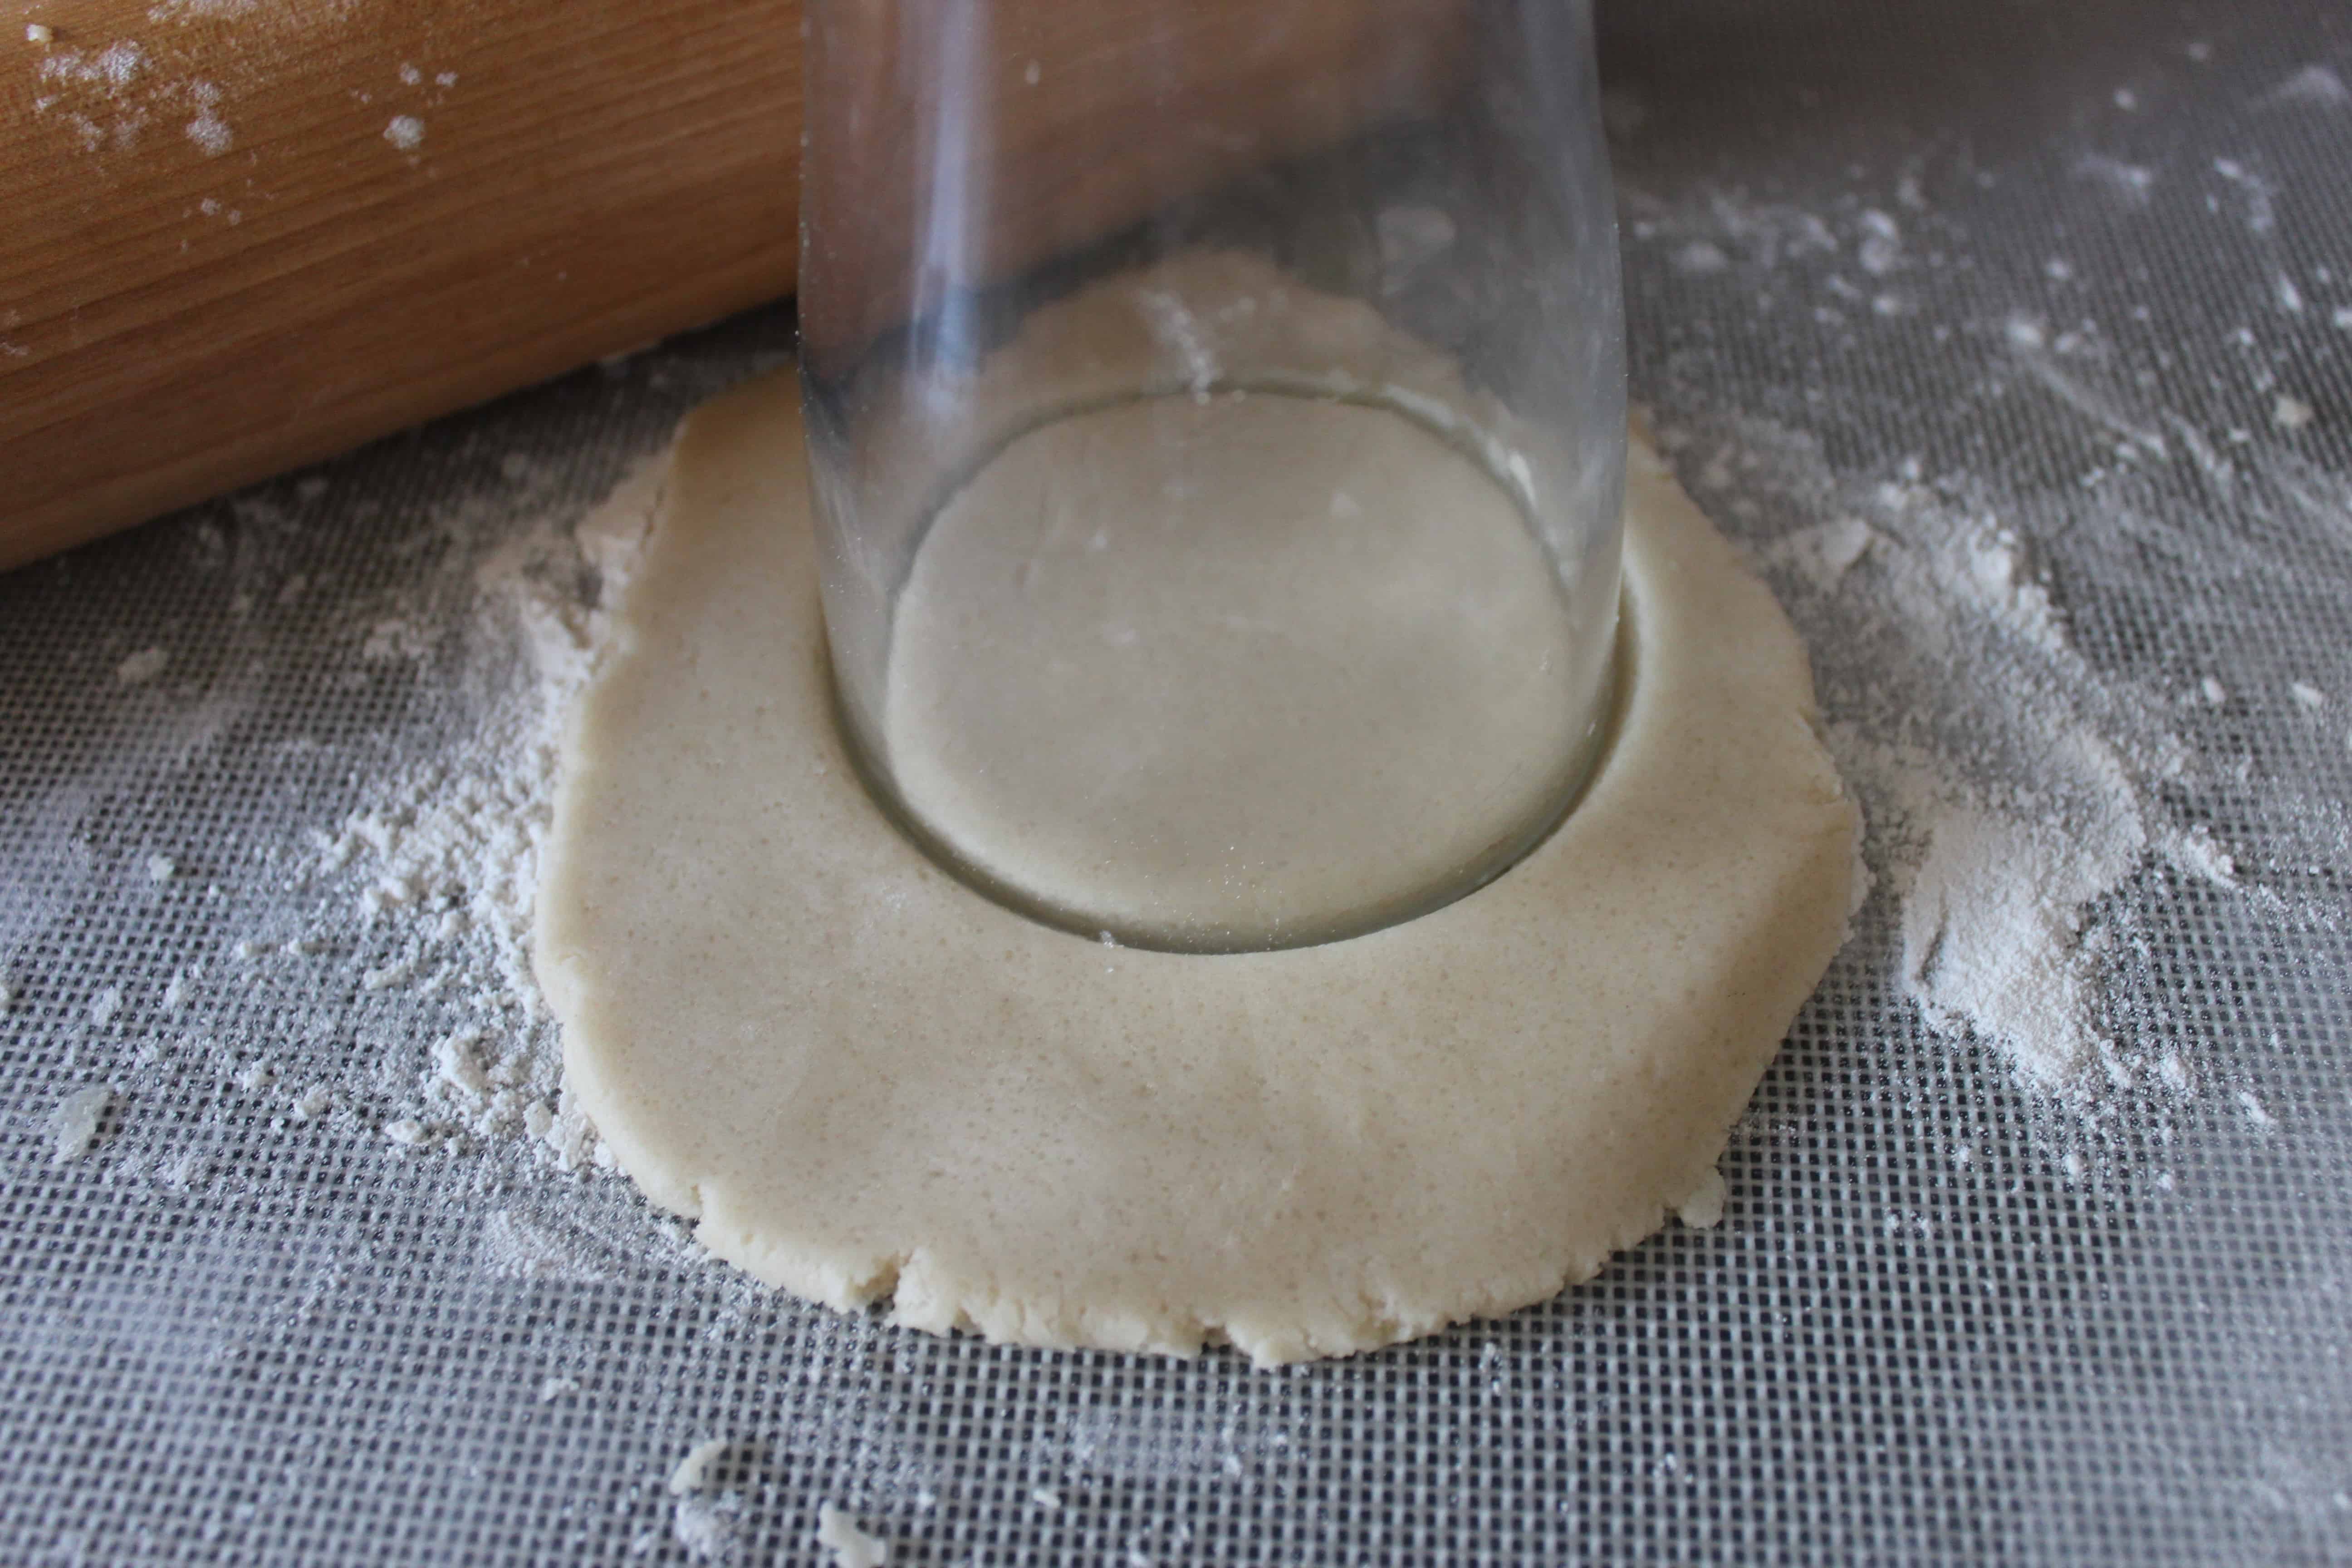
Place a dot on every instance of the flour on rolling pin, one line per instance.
(258, 233)
(327, 220)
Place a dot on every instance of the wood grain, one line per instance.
(217, 259)
(244, 234)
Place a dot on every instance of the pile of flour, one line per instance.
(2077, 737)
(2004, 783)
(2022, 801)
(441, 868)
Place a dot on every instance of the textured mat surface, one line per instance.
(2045, 304)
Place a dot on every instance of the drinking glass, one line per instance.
(1216, 417)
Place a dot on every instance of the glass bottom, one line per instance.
(1238, 671)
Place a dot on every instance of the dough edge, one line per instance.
(1702, 628)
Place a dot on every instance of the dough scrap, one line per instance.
(859, 1077)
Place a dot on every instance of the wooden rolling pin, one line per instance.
(242, 234)
(238, 236)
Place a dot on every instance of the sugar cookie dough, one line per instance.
(1246, 669)
(860, 1077)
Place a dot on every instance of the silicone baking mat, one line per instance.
(2072, 283)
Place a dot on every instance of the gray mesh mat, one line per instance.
(1945, 1319)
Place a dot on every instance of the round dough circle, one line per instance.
(859, 1077)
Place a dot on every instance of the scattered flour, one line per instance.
(515, 1246)
(2132, 184)
(2031, 814)
(114, 68)
(404, 131)
(210, 133)
(1826, 552)
(438, 873)
(1700, 258)
(2260, 195)
(107, 98)
(838, 1534)
(142, 667)
(2013, 791)
(708, 1527)
(2313, 87)
(1993, 926)
(1880, 251)
(74, 1124)
(454, 1065)
(2195, 850)
(690, 1473)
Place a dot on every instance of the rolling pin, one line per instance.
(245, 235)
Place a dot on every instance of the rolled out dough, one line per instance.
(859, 1077)
(1242, 672)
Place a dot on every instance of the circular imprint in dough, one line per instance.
(1146, 671)
(861, 1077)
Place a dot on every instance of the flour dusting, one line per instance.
(2015, 792)
(850, 1546)
(443, 868)
(74, 1124)
(691, 1473)
(2031, 811)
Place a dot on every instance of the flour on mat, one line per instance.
(851, 1547)
(690, 1473)
(2014, 792)
(440, 871)
(707, 1525)
(518, 1245)
(73, 1126)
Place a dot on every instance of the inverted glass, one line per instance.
(1216, 417)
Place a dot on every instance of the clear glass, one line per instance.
(1217, 421)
